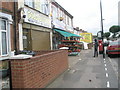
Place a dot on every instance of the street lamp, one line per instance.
(102, 27)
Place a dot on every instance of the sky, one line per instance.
(87, 16)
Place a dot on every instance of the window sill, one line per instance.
(4, 58)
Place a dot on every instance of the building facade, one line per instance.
(77, 31)
(34, 25)
(60, 17)
(8, 38)
(29, 25)
(34, 21)
(7, 27)
(60, 20)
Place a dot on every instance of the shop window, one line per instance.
(29, 3)
(4, 38)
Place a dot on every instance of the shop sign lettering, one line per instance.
(37, 18)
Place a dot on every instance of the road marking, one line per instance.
(73, 71)
(106, 69)
(80, 59)
(104, 61)
(68, 69)
(108, 84)
(106, 74)
(105, 65)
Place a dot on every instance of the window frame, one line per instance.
(6, 31)
(44, 5)
(28, 2)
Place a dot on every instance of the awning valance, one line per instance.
(66, 34)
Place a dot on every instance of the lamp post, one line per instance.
(102, 27)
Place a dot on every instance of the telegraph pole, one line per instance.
(102, 28)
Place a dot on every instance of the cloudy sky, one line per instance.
(87, 13)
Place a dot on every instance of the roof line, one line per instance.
(53, 1)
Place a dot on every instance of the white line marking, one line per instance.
(106, 69)
(108, 84)
(73, 71)
(104, 61)
(80, 59)
(68, 69)
(105, 65)
(106, 74)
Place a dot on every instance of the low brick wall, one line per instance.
(38, 71)
(43, 52)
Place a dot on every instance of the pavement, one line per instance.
(86, 71)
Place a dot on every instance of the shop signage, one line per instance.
(58, 24)
(86, 37)
(36, 18)
(69, 28)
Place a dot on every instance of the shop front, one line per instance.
(60, 35)
(36, 38)
(36, 31)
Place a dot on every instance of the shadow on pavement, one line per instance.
(115, 56)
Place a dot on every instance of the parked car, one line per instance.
(113, 48)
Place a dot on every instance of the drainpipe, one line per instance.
(15, 29)
(15, 45)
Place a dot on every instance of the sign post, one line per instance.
(102, 28)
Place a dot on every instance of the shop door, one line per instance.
(26, 39)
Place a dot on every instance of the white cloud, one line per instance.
(87, 13)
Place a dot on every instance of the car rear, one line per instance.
(113, 48)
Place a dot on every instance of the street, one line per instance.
(85, 71)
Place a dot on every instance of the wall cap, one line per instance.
(20, 56)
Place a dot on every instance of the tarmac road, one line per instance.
(86, 71)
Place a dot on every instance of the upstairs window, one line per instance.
(44, 7)
(29, 3)
(54, 11)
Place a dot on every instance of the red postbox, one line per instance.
(100, 46)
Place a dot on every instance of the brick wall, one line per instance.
(7, 7)
(38, 71)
